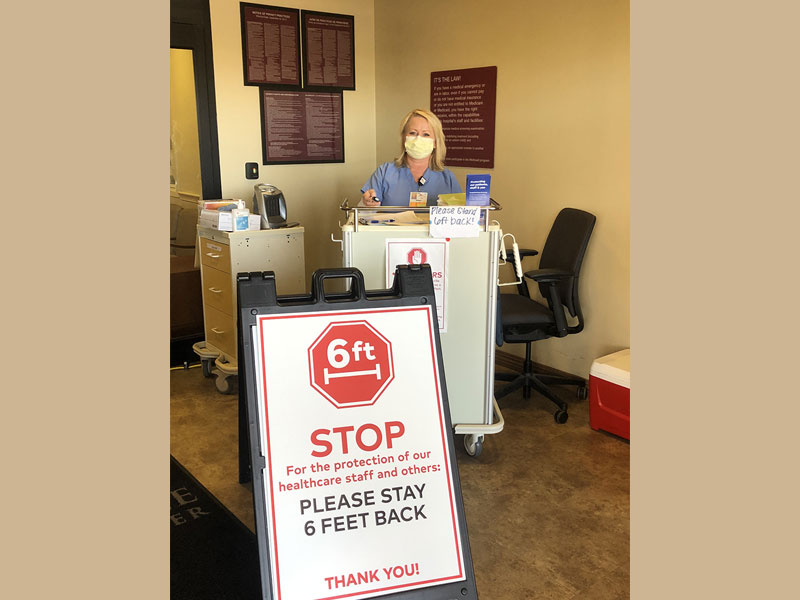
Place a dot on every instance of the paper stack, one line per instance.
(219, 214)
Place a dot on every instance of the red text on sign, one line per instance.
(368, 437)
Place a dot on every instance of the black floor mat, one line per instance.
(213, 555)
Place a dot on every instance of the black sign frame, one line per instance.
(257, 295)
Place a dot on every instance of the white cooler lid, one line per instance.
(615, 368)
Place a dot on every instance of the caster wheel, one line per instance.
(583, 392)
(224, 384)
(473, 444)
(561, 416)
(207, 366)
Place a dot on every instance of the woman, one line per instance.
(419, 168)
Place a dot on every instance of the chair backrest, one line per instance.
(564, 249)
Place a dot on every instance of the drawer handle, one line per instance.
(215, 290)
(212, 255)
(217, 331)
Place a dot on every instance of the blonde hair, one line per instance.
(437, 157)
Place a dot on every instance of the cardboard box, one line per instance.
(610, 394)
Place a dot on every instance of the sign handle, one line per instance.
(356, 286)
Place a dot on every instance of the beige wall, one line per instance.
(561, 131)
(313, 192)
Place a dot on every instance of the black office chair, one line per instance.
(522, 319)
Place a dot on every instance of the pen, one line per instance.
(378, 222)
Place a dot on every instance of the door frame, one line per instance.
(190, 29)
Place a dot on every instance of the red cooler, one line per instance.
(610, 394)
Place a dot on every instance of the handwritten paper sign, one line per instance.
(454, 221)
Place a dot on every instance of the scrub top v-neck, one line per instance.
(394, 185)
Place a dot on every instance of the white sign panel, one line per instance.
(454, 221)
(405, 251)
(359, 494)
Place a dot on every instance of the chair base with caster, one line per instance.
(528, 380)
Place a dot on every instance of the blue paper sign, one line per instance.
(478, 190)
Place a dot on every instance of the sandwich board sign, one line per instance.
(354, 478)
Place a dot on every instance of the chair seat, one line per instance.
(521, 315)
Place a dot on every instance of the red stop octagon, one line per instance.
(350, 363)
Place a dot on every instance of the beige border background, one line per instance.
(86, 286)
(714, 161)
(714, 194)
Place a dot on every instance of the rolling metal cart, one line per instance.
(223, 254)
(470, 305)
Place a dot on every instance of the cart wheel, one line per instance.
(207, 366)
(473, 444)
(224, 384)
(583, 392)
(561, 416)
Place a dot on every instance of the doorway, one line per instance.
(185, 177)
(194, 166)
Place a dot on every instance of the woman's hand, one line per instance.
(368, 199)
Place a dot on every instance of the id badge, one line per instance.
(418, 199)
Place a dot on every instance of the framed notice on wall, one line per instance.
(328, 51)
(270, 45)
(465, 101)
(301, 127)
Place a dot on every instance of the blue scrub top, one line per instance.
(394, 185)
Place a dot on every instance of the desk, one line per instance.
(468, 344)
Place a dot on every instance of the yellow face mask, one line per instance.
(418, 147)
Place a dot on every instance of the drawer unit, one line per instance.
(220, 331)
(215, 254)
(223, 255)
(218, 290)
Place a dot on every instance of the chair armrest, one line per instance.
(523, 252)
(548, 275)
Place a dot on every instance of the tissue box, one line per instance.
(240, 219)
(225, 220)
(208, 218)
(610, 394)
(218, 214)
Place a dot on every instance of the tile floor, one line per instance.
(547, 505)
